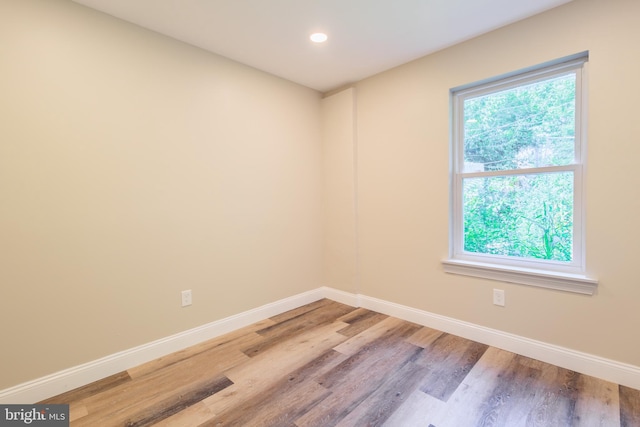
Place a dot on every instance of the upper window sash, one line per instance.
(574, 67)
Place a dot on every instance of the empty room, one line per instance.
(209, 218)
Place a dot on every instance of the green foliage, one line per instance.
(527, 126)
(520, 215)
(530, 214)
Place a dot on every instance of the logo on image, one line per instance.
(34, 415)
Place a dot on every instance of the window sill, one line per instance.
(542, 278)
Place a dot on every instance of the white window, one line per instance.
(518, 155)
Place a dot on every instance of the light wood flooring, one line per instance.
(328, 364)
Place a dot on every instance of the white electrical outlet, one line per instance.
(498, 297)
(186, 298)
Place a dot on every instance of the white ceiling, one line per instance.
(365, 36)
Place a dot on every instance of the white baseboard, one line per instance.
(340, 296)
(68, 379)
(588, 364)
(77, 376)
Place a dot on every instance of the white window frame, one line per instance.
(567, 276)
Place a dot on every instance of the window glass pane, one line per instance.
(529, 216)
(523, 127)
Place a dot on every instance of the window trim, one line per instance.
(543, 273)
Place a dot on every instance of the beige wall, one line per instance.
(133, 167)
(339, 191)
(403, 195)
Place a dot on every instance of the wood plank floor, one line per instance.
(328, 364)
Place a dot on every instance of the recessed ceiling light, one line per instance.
(318, 37)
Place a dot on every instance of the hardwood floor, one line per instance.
(328, 364)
